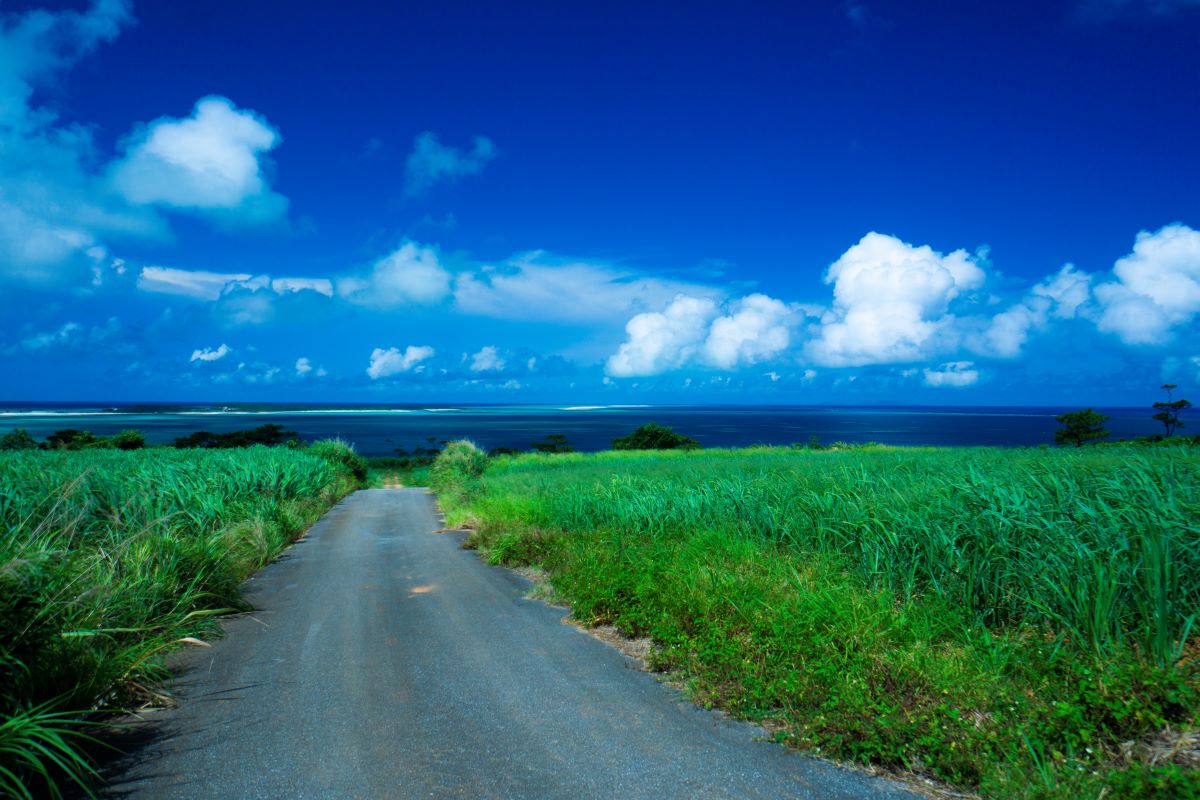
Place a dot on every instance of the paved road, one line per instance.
(385, 662)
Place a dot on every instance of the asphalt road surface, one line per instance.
(385, 662)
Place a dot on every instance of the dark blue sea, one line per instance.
(377, 430)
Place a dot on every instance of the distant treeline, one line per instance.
(270, 434)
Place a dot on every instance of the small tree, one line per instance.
(128, 440)
(1080, 427)
(70, 439)
(1169, 413)
(554, 443)
(18, 439)
(653, 436)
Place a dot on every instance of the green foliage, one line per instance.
(1169, 413)
(1080, 427)
(71, 439)
(553, 443)
(999, 619)
(459, 464)
(18, 439)
(1162, 782)
(343, 455)
(653, 436)
(271, 435)
(109, 558)
(128, 440)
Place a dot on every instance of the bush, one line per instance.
(128, 440)
(653, 436)
(461, 462)
(341, 454)
(70, 439)
(18, 439)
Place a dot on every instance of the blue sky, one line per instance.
(843, 202)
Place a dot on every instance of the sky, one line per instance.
(931, 203)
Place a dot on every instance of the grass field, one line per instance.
(1017, 622)
(111, 558)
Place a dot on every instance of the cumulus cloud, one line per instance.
(392, 361)
(890, 303)
(666, 340)
(1157, 287)
(412, 274)
(698, 331)
(528, 287)
(210, 162)
(210, 354)
(756, 329)
(487, 360)
(952, 374)
(1061, 296)
(432, 162)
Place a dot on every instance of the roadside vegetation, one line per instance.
(1021, 623)
(110, 559)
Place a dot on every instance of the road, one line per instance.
(383, 661)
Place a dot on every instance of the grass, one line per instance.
(1017, 622)
(112, 558)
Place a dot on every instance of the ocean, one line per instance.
(379, 429)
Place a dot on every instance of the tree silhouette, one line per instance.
(1169, 413)
(1080, 427)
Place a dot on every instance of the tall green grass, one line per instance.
(996, 618)
(108, 559)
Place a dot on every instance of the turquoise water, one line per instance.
(377, 430)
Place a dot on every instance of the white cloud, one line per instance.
(432, 162)
(1061, 296)
(756, 329)
(697, 331)
(198, 284)
(952, 374)
(210, 162)
(303, 366)
(293, 285)
(392, 361)
(210, 354)
(661, 341)
(487, 360)
(891, 303)
(244, 296)
(410, 274)
(526, 288)
(1157, 287)
(52, 207)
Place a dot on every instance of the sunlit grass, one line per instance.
(111, 558)
(997, 618)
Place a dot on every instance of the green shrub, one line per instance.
(18, 439)
(460, 463)
(128, 440)
(653, 436)
(343, 454)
